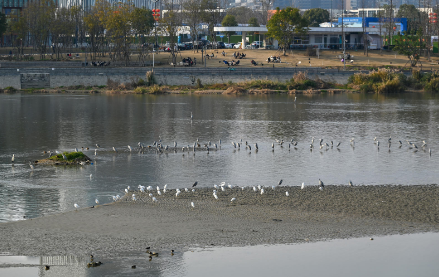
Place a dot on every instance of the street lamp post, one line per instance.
(156, 15)
(342, 35)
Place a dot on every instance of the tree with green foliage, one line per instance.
(241, 14)
(253, 22)
(193, 16)
(3, 24)
(411, 13)
(229, 21)
(142, 22)
(95, 30)
(284, 24)
(316, 16)
(409, 45)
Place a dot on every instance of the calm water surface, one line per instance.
(31, 124)
(399, 256)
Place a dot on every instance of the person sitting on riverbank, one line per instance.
(224, 53)
(254, 63)
(226, 62)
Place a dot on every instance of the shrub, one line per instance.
(10, 89)
(432, 85)
(156, 89)
(112, 84)
(150, 79)
(140, 90)
(199, 84)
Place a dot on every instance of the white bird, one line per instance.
(134, 197)
(320, 188)
(193, 190)
(350, 184)
(178, 192)
(233, 199)
(129, 147)
(128, 187)
(150, 195)
(243, 187)
(158, 188)
(192, 116)
(159, 192)
(31, 166)
(13, 158)
(76, 206)
(216, 196)
(223, 184)
(114, 198)
(186, 189)
(215, 186)
(95, 152)
(273, 187)
(192, 204)
(254, 188)
(230, 186)
(287, 194)
(148, 188)
(303, 186)
(76, 149)
(91, 175)
(259, 187)
(142, 188)
(295, 98)
(223, 189)
(126, 190)
(262, 191)
(97, 201)
(154, 199)
(114, 149)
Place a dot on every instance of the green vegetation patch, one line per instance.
(72, 156)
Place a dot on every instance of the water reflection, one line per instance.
(398, 255)
(32, 124)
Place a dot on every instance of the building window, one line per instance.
(318, 39)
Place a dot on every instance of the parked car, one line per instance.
(229, 45)
(256, 44)
(238, 45)
(216, 45)
(183, 46)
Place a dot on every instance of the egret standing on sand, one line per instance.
(97, 201)
(76, 206)
(192, 204)
(303, 186)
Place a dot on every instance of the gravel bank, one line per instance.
(271, 218)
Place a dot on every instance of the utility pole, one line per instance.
(342, 34)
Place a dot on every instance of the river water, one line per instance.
(31, 124)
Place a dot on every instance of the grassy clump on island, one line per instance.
(72, 156)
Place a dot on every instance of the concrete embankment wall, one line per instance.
(167, 76)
